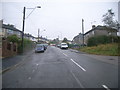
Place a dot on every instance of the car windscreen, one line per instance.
(64, 44)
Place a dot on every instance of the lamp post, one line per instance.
(39, 33)
(83, 30)
(24, 10)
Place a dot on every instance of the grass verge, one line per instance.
(103, 49)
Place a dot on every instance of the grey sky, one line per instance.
(58, 18)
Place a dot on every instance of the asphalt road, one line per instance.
(56, 68)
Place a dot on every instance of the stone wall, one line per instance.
(8, 48)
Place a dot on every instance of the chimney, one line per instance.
(93, 26)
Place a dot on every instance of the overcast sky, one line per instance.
(61, 18)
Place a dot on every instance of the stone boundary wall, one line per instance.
(8, 48)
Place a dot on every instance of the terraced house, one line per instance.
(8, 30)
(95, 31)
(99, 30)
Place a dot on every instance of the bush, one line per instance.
(27, 44)
(13, 38)
(94, 41)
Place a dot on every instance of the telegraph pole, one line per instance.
(38, 34)
(23, 28)
(24, 9)
(83, 30)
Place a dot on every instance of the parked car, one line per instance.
(39, 48)
(58, 45)
(63, 46)
(45, 45)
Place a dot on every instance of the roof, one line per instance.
(80, 34)
(76, 36)
(102, 28)
(11, 27)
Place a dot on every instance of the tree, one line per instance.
(13, 38)
(108, 19)
(65, 40)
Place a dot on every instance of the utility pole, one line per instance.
(24, 9)
(83, 30)
(38, 34)
(23, 29)
(58, 39)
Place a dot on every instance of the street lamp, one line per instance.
(83, 30)
(24, 9)
(39, 33)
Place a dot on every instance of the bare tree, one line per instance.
(108, 19)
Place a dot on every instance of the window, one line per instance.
(109, 33)
(93, 32)
(10, 31)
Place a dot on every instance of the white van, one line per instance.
(63, 46)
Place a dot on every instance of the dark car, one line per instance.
(39, 48)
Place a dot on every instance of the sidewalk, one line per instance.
(11, 61)
(108, 59)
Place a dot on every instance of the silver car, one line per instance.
(39, 48)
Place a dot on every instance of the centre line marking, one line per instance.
(105, 87)
(33, 71)
(78, 65)
(29, 78)
(65, 54)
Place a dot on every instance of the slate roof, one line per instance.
(102, 28)
(10, 27)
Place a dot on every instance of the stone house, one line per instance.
(99, 30)
(8, 30)
(30, 37)
(78, 39)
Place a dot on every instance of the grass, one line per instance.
(103, 49)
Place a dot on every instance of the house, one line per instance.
(69, 41)
(30, 37)
(99, 30)
(42, 40)
(78, 39)
(8, 30)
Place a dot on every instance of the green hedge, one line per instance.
(96, 40)
(28, 44)
(13, 38)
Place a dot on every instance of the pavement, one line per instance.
(56, 68)
(9, 62)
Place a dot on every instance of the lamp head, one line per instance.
(38, 6)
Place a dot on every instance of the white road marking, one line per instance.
(33, 71)
(105, 87)
(81, 86)
(29, 78)
(15, 65)
(65, 54)
(37, 64)
(78, 65)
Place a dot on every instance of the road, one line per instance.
(56, 68)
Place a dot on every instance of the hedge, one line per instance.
(96, 40)
(27, 43)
